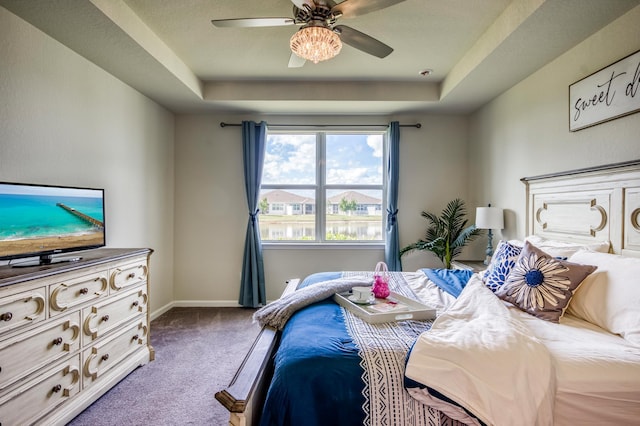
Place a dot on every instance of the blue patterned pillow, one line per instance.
(503, 260)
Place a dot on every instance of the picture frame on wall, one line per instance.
(607, 94)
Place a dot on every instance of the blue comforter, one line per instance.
(317, 373)
(317, 369)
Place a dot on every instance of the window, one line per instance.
(323, 187)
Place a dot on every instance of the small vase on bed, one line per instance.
(381, 281)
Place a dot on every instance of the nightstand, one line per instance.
(473, 265)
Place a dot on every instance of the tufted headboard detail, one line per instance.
(588, 205)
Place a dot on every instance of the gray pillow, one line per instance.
(541, 284)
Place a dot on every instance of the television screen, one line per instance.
(41, 220)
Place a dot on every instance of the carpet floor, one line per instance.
(198, 350)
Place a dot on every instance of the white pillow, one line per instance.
(565, 249)
(609, 297)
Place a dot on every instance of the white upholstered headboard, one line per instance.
(588, 205)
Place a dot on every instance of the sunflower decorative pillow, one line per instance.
(542, 285)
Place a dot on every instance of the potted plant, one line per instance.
(446, 235)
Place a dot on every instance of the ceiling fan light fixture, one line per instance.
(315, 43)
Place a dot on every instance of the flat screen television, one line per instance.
(44, 220)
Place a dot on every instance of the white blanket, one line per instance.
(483, 357)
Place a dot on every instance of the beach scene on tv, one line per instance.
(34, 219)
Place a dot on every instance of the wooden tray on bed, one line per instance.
(394, 308)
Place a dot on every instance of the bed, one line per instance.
(581, 367)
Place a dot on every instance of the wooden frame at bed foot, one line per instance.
(246, 393)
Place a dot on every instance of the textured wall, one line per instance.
(211, 212)
(525, 131)
(65, 121)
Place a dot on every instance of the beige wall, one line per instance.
(524, 132)
(211, 208)
(65, 121)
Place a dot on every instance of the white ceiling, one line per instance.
(170, 51)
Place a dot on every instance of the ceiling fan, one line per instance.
(319, 38)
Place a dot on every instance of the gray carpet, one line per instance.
(198, 350)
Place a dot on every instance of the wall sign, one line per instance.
(610, 93)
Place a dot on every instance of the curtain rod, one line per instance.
(417, 125)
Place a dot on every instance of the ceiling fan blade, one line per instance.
(300, 4)
(361, 41)
(252, 22)
(296, 61)
(351, 8)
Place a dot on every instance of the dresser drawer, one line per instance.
(129, 275)
(76, 291)
(28, 352)
(26, 403)
(101, 318)
(22, 309)
(111, 351)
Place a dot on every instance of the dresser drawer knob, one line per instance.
(57, 341)
(105, 357)
(135, 303)
(105, 318)
(57, 388)
(84, 290)
(135, 337)
(131, 276)
(6, 316)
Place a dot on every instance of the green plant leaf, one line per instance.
(447, 234)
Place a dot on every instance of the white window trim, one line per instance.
(321, 188)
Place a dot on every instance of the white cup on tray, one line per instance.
(361, 295)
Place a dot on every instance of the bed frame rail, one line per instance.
(243, 397)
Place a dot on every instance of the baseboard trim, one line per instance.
(195, 304)
(206, 304)
(155, 314)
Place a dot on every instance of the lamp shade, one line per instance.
(315, 43)
(489, 218)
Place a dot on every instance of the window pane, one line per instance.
(354, 159)
(289, 159)
(287, 215)
(354, 215)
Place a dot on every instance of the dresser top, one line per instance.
(10, 275)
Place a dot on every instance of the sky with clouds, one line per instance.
(351, 159)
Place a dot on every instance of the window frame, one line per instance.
(320, 189)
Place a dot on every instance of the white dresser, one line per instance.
(69, 332)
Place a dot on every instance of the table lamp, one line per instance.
(489, 218)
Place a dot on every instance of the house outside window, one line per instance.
(323, 187)
(275, 208)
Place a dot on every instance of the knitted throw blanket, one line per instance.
(277, 313)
